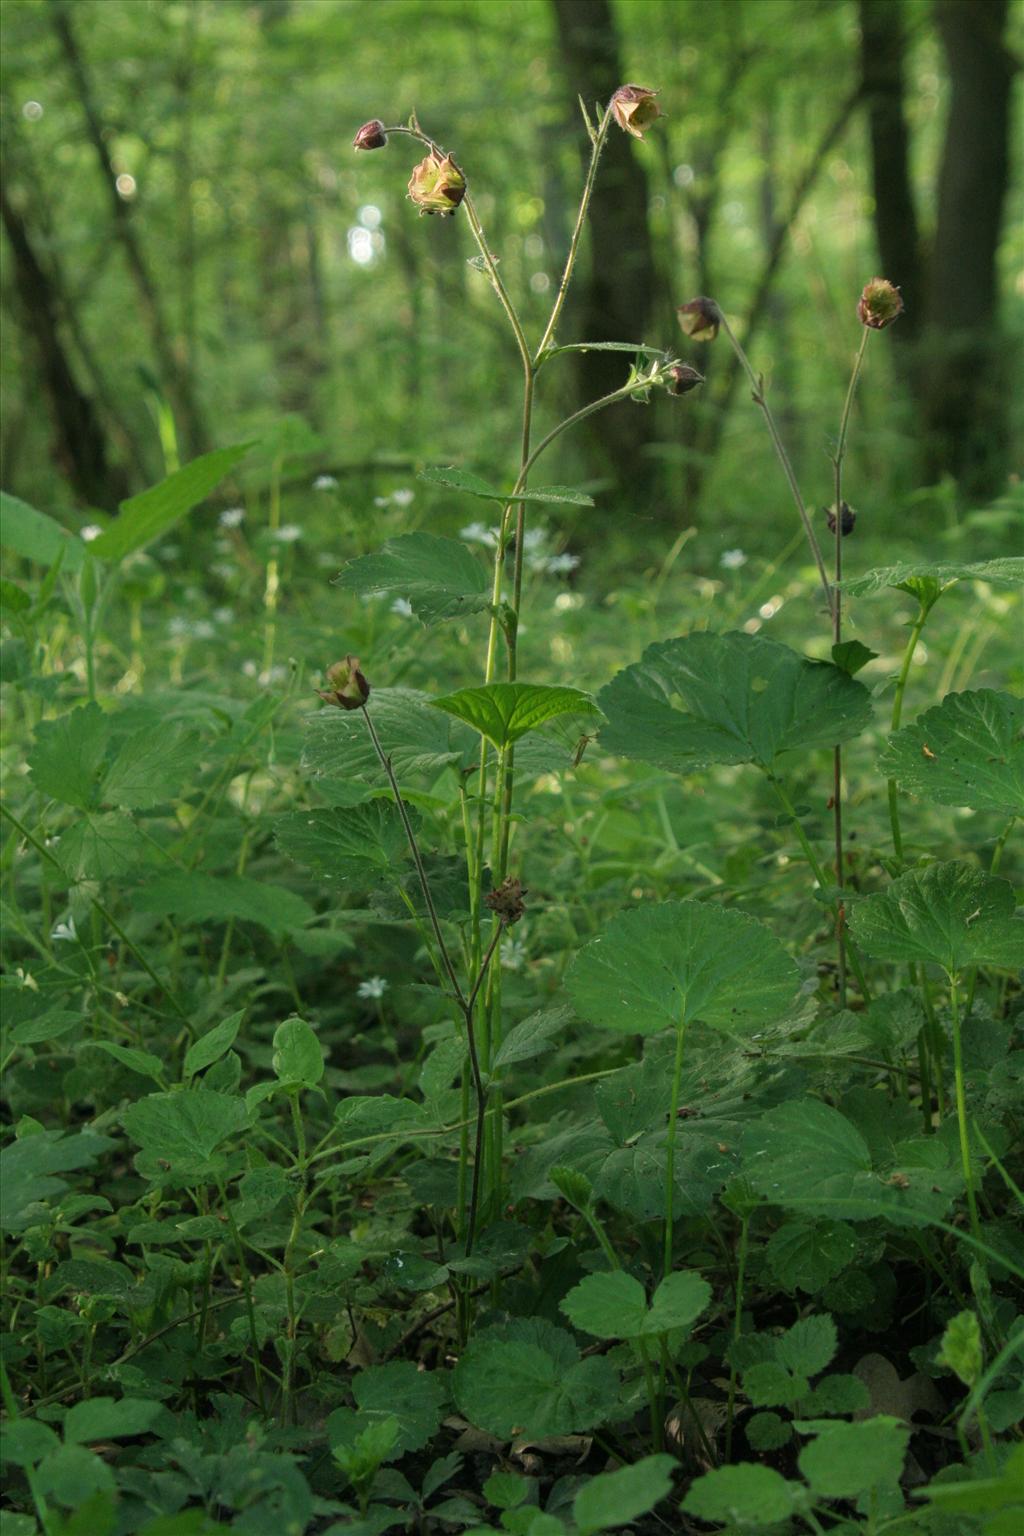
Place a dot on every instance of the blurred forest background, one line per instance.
(192, 250)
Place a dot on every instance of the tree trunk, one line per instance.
(81, 449)
(613, 297)
(964, 360)
(174, 377)
(899, 247)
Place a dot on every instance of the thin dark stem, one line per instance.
(581, 217)
(758, 393)
(414, 849)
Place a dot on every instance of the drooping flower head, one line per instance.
(880, 304)
(635, 109)
(371, 135)
(699, 319)
(683, 378)
(437, 185)
(348, 687)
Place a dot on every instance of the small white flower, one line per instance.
(232, 517)
(325, 483)
(249, 669)
(275, 674)
(202, 629)
(533, 538)
(477, 533)
(65, 931)
(732, 559)
(178, 627)
(375, 987)
(90, 531)
(223, 569)
(224, 615)
(513, 955)
(382, 501)
(403, 497)
(561, 565)
(288, 534)
(403, 607)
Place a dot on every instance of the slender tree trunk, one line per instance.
(899, 244)
(613, 301)
(966, 389)
(174, 377)
(81, 448)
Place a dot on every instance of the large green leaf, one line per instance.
(472, 485)
(664, 966)
(807, 1157)
(358, 842)
(526, 1378)
(96, 847)
(1008, 570)
(746, 1496)
(440, 578)
(399, 1390)
(950, 914)
(200, 898)
(28, 1167)
(416, 737)
(68, 754)
(613, 1305)
(505, 711)
(145, 517)
(968, 750)
(731, 698)
(617, 1498)
(179, 1133)
(36, 536)
(298, 1059)
(149, 768)
(845, 1460)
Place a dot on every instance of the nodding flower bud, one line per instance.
(847, 519)
(371, 135)
(683, 378)
(699, 319)
(349, 688)
(437, 185)
(635, 109)
(880, 304)
(507, 901)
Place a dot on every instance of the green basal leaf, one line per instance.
(298, 1060)
(204, 898)
(416, 737)
(179, 1133)
(439, 578)
(526, 1378)
(28, 1167)
(950, 914)
(145, 517)
(733, 698)
(107, 1418)
(968, 750)
(809, 1345)
(617, 1498)
(399, 1392)
(746, 1495)
(806, 1255)
(98, 847)
(66, 760)
(503, 712)
(150, 768)
(348, 843)
(472, 485)
(613, 1305)
(1008, 570)
(664, 966)
(845, 1460)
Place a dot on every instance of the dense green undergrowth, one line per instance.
(472, 1101)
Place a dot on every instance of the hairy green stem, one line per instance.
(670, 1149)
(961, 1104)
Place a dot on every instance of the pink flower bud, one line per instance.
(880, 304)
(371, 135)
(635, 109)
(699, 319)
(683, 379)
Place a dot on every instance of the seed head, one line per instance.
(437, 185)
(880, 304)
(371, 135)
(507, 901)
(635, 109)
(348, 687)
(699, 319)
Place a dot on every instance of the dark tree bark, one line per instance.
(80, 444)
(965, 390)
(613, 297)
(174, 377)
(899, 245)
